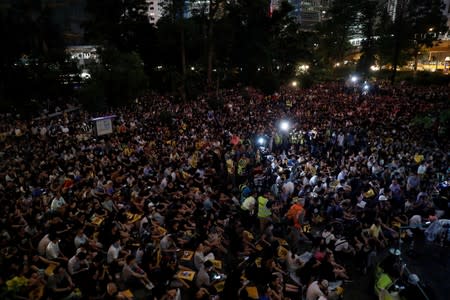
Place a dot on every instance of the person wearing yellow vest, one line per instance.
(289, 103)
(264, 212)
(278, 140)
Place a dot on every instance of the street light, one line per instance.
(284, 125)
(294, 83)
(354, 79)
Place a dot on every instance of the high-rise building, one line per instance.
(446, 11)
(155, 10)
(195, 7)
(313, 12)
(306, 12)
(392, 8)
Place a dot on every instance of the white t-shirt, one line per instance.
(314, 180)
(42, 246)
(202, 278)
(314, 292)
(292, 262)
(421, 169)
(80, 240)
(43, 131)
(113, 253)
(342, 175)
(52, 250)
(288, 187)
(249, 203)
(328, 236)
(57, 203)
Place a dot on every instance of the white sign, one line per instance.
(104, 127)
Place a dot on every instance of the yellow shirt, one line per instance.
(374, 231)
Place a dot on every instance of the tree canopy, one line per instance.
(203, 45)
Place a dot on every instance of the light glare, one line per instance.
(284, 125)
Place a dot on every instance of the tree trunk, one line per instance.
(416, 59)
(183, 62)
(210, 43)
(210, 57)
(395, 60)
(398, 35)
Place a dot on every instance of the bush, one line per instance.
(267, 82)
(423, 121)
(306, 81)
(215, 103)
(420, 78)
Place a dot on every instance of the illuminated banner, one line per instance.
(83, 54)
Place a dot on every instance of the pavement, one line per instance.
(430, 261)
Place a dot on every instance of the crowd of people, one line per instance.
(185, 202)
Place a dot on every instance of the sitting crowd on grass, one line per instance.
(183, 201)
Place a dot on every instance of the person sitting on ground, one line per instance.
(316, 289)
(199, 256)
(132, 274)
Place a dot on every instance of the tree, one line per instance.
(116, 23)
(288, 44)
(118, 80)
(33, 59)
(174, 15)
(410, 29)
(366, 20)
(209, 12)
(333, 45)
(427, 22)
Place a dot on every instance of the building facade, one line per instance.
(155, 10)
(306, 12)
(446, 11)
